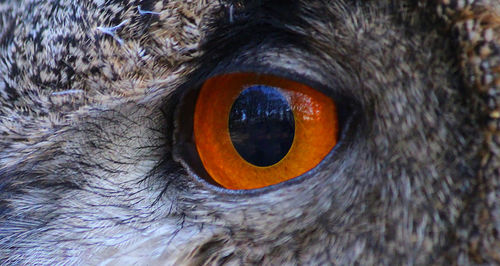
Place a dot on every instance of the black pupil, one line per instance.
(261, 125)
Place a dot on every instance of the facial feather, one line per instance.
(89, 95)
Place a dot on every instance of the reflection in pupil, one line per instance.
(261, 125)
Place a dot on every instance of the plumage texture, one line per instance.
(90, 173)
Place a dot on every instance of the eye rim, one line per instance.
(184, 148)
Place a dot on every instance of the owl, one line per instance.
(268, 132)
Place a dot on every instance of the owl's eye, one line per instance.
(255, 130)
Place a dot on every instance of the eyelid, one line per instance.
(186, 153)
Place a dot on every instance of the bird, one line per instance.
(110, 152)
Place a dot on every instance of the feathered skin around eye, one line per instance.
(87, 169)
(316, 131)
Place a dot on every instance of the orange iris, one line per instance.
(316, 131)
